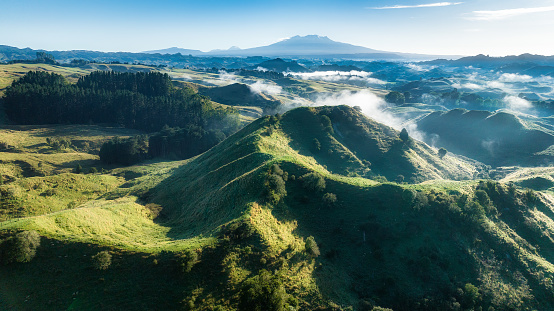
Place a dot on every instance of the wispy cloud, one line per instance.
(429, 5)
(503, 14)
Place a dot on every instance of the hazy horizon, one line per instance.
(495, 28)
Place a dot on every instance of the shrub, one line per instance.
(313, 181)
(187, 260)
(471, 295)
(404, 135)
(22, 247)
(327, 125)
(330, 199)
(531, 196)
(154, 209)
(263, 292)
(400, 179)
(316, 145)
(275, 188)
(442, 152)
(58, 143)
(102, 260)
(275, 169)
(482, 197)
(311, 247)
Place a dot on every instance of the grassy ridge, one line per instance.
(409, 247)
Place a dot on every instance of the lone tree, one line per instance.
(311, 247)
(404, 135)
(442, 152)
(21, 248)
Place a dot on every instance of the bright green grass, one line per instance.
(43, 195)
(377, 233)
(122, 223)
(30, 151)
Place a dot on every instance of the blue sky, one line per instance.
(420, 26)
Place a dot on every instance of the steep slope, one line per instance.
(354, 143)
(261, 200)
(494, 138)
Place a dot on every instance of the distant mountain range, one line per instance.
(307, 46)
(311, 46)
(486, 60)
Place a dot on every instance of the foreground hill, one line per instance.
(494, 138)
(265, 200)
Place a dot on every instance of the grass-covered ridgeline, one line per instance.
(270, 220)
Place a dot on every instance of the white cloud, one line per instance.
(471, 86)
(420, 67)
(226, 76)
(496, 85)
(514, 77)
(430, 5)
(503, 14)
(372, 106)
(266, 88)
(517, 103)
(335, 76)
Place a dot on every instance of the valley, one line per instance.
(307, 184)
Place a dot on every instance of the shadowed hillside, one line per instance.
(351, 143)
(239, 94)
(494, 138)
(269, 220)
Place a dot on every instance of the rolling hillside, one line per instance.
(269, 198)
(238, 94)
(494, 138)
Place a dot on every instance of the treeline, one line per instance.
(174, 143)
(145, 101)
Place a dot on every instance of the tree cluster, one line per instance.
(145, 101)
(124, 151)
(175, 143)
(183, 143)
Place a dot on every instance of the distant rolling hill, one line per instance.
(238, 94)
(279, 65)
(494, 138)
(175, 50)
(523, 60)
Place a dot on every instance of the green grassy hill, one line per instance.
(239, 94)
(496, 139)
(267, 199)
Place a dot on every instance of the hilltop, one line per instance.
(203, 231)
